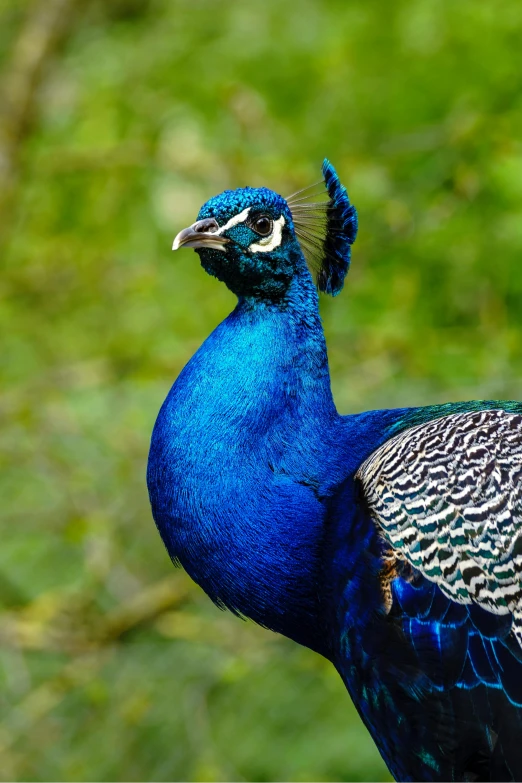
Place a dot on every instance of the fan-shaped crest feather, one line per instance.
(326, 229)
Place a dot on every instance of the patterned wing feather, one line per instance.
(447, 495)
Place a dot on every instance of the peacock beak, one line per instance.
(203, 233)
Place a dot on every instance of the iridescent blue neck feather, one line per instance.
(256, 395)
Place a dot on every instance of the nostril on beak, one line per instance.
(209, 236)
(207, 226)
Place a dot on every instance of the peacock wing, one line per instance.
(447, 495)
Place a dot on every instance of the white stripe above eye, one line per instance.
(234, 221)
(272, 241)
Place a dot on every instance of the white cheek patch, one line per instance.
(269, 243)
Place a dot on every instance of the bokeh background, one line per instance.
(118, 119)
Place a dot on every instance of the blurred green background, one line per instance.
(118, 119)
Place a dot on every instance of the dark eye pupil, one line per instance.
(263, 225)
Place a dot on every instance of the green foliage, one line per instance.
(147, 110)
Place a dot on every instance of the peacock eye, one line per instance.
(262, 224)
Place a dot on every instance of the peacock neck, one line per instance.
(291, 346)
(243, 442)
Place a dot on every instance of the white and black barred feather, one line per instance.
(448, 496)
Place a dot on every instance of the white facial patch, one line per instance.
(234, 221)
(266, 244)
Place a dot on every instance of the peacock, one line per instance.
(389, 541)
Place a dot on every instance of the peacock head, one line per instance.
(256, 241)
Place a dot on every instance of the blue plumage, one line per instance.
(340, 234)
(381, 544)
(326, 230)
